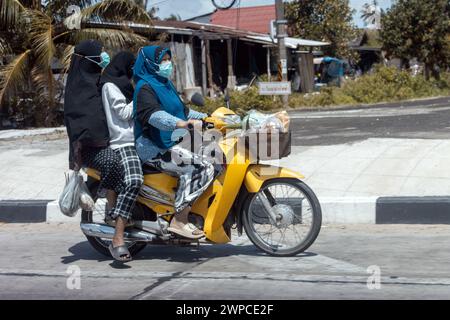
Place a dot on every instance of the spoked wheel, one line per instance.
(97, 215)
(294, 223)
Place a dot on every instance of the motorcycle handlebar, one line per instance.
(205, 125)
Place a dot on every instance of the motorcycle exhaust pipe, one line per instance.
(107, 232)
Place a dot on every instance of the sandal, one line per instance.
(187, 231)
(120, 253)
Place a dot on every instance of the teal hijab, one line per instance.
(145, 73)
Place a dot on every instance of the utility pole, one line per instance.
(281, 34)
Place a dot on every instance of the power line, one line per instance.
(154, 4)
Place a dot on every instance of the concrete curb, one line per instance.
(33, 134)
(428, 101)
(23, 211)
(363, 210)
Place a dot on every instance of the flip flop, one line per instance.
(187, 231)
(120, 253)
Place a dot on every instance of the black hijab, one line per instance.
(83, 109)
(120, 72)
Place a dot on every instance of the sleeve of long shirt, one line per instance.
(149, 111)
(196, 115)
(117, 101)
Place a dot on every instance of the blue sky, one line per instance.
(191, 8)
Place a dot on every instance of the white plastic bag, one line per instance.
(257, 120)
(86, 201)
(69, 200)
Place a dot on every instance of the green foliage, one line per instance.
(384, 85)
(391, 84)
(418, 29)
(242, 101)
(328, 96)
(325, 20)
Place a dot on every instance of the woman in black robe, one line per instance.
(87, 129)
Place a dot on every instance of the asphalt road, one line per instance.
(429, 119)
(41, 261)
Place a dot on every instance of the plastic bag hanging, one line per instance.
(69, 200)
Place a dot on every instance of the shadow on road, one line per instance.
(187, 254)
(83, 251)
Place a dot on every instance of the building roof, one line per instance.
(256, 19)
(211, 31)
(292, 43)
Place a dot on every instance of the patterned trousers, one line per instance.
(107, 162)
(194, 171)
(133, 179)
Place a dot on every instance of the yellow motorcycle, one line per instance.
(280, 214)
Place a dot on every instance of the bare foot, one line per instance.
(118, 235)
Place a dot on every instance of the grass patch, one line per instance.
(385, 84)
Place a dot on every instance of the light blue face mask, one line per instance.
(165, 69)
(104, 57)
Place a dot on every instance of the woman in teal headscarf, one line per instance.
(159, 114)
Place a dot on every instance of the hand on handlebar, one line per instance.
(190, 124)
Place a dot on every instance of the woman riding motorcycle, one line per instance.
(159, 111)
(117, 96)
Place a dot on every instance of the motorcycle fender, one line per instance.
(257, 174)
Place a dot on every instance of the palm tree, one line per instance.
(371, 14)
(173, 17)
(36, 36)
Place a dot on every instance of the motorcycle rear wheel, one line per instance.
(99, 244)
(300, 215)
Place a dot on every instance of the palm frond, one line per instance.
(161, 39)
(14, 75)
(42, 83)
(5, 48)
(10, 11)
(41, 32)
(66, 57)
(111, 38)
(117, 10)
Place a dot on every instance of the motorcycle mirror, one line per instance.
(227, 97)
(198, 100)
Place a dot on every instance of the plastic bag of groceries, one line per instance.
(86, 201)
(257, 120)
(69, 200)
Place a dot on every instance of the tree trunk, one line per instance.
(427, 70)
(436, 74)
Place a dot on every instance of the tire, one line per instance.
(97, 243)
(252, 214)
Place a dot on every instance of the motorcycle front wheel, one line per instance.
(295, 221)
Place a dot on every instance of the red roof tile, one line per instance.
(256, 19)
